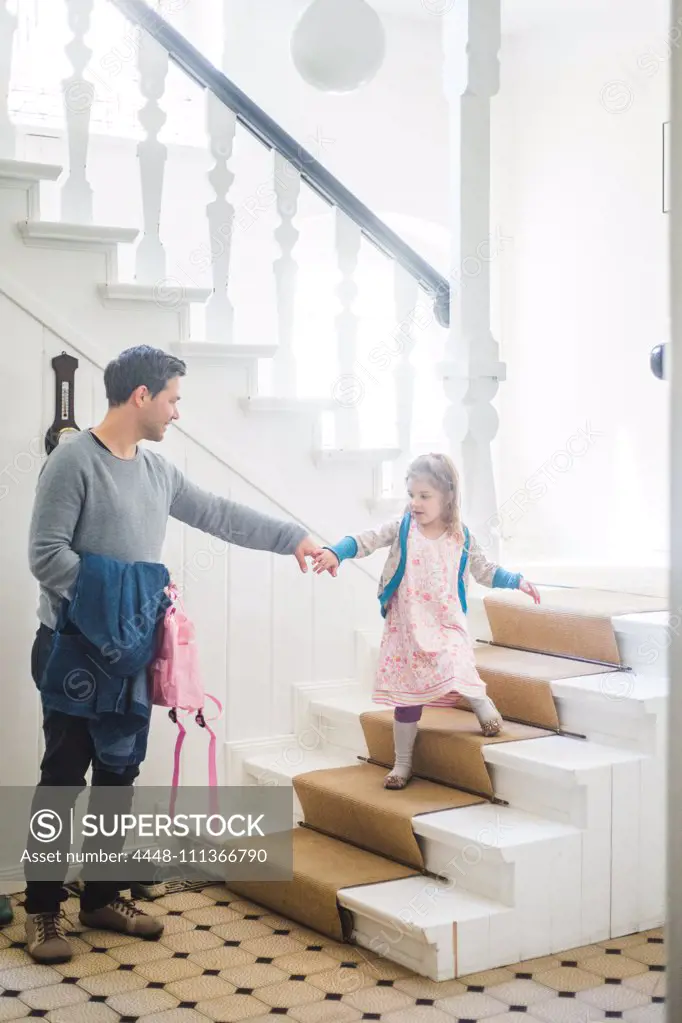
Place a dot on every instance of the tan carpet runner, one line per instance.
(352, 804)
(519, 683)
(449, 746)
(322, 866)
(573, 623)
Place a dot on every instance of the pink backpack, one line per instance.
(176, 683)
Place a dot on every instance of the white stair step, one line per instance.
(166, 297)
(46, 232)
(644, 640)
(353, 456)
(208, 351)
(292, 406)
(432, 927)
(21, 172)
(615, 708)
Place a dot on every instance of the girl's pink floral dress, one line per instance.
(426, 654)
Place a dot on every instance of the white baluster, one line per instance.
(78, 95)
(150, 264)
(287, 190)
(222, 125)
(348, 238)
(473, 370)
(8, 24)
(406, 294)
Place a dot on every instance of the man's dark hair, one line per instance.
(137, 366)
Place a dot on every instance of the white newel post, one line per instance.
(222, 126)
(8, 24)
(348, 239)
(472, 370)
(150, 263)
(78, 95)
(406, 295)
(287, 191)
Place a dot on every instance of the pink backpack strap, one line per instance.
(182, 732)
(212, 764)
(212, 759)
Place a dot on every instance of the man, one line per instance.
(102, 494)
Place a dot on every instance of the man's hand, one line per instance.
(306, 549)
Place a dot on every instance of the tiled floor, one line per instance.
(223, 959)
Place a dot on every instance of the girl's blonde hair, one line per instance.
(441, 472)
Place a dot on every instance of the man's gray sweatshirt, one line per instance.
(88, 500)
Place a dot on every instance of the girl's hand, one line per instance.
(531, 590)
(326, 561)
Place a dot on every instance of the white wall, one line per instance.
(583, 294)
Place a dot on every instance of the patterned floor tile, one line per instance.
(325, 1012)
(183, 901)
(254, 975)
(566, 978)
(341, 981)
(200, 989)
(25, 977)
(520, 992)
(212, 916)
(418, 1014)
(191, 941)
(651, 983)
(106, 939)
(306, 963)
(487, 979)
(241, 930)
(273, 946)
(422, 987)
(648, 1014)
(650, 955)
(566, 1010)
(511, 1017)
(379, 999)
(628, 941)
(533, 966)
(115, 982)
(12, 957)
(222, 958)
(89, 1012)
(288, 994)
(616, 967)
(12, 1008)
(472, 1006)
(177, 1016)
(56, 996)
(165, 971)
(143, 1002)
(613, 998)
(227, 1010)
(139, 952)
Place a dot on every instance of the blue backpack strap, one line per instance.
(394, 583)
(463, 562)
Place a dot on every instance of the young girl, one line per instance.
(426, 656)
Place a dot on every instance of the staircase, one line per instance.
(563, 849)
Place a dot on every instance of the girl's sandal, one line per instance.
(395, 781)
(491, 728)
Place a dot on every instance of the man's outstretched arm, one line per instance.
(238, 524)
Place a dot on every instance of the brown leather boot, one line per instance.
(45, 938)
(122, 915)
